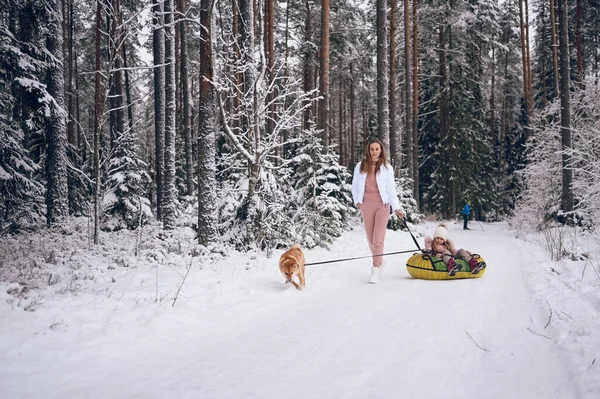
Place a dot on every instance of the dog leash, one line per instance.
(372, 256)
(358, 257)
(411, 234)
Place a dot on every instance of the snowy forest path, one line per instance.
(344, 338)
(246, 334)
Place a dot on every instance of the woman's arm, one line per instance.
(355, 184)
(391, 189)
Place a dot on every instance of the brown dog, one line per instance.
(291, 264)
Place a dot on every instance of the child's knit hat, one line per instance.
(441, 232)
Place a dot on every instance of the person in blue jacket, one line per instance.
(465, 212)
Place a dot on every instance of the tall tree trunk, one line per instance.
(249, 75)
(116, 34)
(185, 94)
(237, 100)
(250, 115)
(57, 205)
(383, 116)
(71, 132)
(526, 64)
(127, 84)
(493, 125)
(341, 119)
(579, 43)
(308, 64)
(352, 118)
(158, 50)
(324, 74)
(344, 131)
(415, 100)
(554, 48)
(444, 98)
(394, 152)
(503, 121)
(98, 111)
(286, 71)
(170, 191)
(77, 106)
(207, 126)
(565, 111)
(269, 44)
(528, 47)
(407, 92)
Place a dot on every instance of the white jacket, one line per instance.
(385, 184)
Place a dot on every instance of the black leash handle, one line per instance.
(358, 257)
(411, 234)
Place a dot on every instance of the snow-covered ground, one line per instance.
(103, 324)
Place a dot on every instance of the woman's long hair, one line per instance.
(365, 164)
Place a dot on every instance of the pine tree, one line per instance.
(22, 196)
(170, 191)
(207, 127)
(322, 197)
(56, 133)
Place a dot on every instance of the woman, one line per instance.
(373, 191)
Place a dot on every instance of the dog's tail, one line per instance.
(297, 246)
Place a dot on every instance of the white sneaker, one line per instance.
(374, 279)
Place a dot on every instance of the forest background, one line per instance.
(249, 117)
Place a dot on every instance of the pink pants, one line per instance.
(375, 216)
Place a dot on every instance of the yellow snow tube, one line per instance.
(428, 267)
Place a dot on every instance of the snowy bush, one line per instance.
(539, 206)
(540, 200)
(127, 185)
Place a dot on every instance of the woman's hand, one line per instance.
(399, 213)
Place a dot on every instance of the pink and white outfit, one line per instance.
(375, 192)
